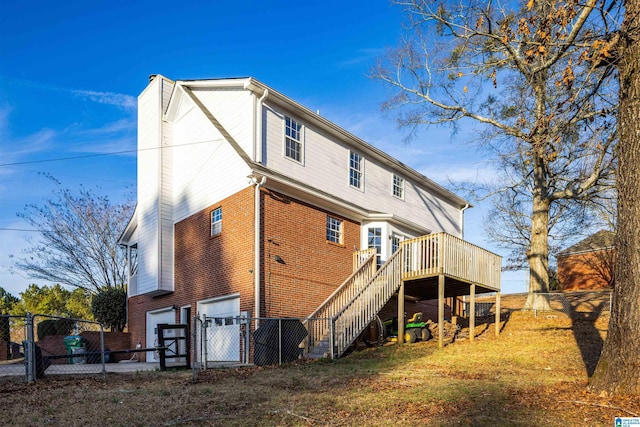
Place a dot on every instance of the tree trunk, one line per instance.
(618, 369)
(538, 254)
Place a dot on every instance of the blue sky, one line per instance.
(70, 74)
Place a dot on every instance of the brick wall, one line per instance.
(112, 341)
(53, 345)
(312, 267)
(207, 267)
(4, 350)
(585, 271)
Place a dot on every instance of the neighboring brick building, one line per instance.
(250, 204)
(588, 265)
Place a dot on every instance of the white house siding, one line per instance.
(326, 166)
(166, 279)
(206, 167)
(234, 109)
(149, 158)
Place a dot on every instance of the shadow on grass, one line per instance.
(584, 311)
(585, 331)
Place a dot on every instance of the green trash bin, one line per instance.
(75, 344)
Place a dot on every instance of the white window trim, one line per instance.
(393, 186)
(361, 187)
(217, 222)
(284, 140)
(340, 231)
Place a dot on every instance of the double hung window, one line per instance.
(292, 139)
(355, 170)
(216, 221)
(334, 230)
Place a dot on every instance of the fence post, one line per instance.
(29, 351)
(104, 369)
(279, 341)
(194, 347)
(204, 341)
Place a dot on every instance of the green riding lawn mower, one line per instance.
(414, 330)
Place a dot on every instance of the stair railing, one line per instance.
(348, 323)
(318, 323)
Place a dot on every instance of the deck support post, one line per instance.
(401, 313)
(472, 312)
(440, 310)
(498, 313)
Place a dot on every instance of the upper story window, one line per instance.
(292, 139)
(334, 230)
(355, 170)
(216, 221)
(398, 186)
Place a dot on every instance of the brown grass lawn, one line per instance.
(534, 374)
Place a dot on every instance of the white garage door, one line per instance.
(223, 331)
(154, 318)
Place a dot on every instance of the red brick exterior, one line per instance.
(112, 341)
(208, 267)
(54, 345)
(313, 268)
(586, 271)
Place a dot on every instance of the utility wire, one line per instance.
(114, 153)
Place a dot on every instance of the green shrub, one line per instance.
(109, 307)
(55, 327)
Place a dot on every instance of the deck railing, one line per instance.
(362, 256)
(355, 316)
(360, 298)
(443, 253)
(319, 331)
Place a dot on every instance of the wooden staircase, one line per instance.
(336, 324)
(320, 323)
(340, 320)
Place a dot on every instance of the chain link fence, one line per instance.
(69, 346)
(34, 345)
(13, 333)
(237, 341)
(570, 303)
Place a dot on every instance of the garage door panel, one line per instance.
(223, 330)
(153, 320)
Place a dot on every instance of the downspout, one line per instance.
(256, 251)
(256, 226)
(465, 207)
(258, 140)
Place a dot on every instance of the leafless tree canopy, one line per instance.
(541, 79)
(77, 239)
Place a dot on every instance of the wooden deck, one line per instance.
(435, 266)
(438, 266)
(462, 264)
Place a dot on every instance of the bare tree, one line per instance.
(536, 75)
(618, 369)
(77, 240)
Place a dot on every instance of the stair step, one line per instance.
(320, 350)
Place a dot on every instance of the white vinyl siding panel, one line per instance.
(326, 163)
(149, 125)
(166, 280)
(167, 89)
(234, 109)
(206, 167)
